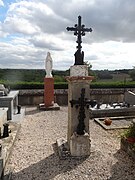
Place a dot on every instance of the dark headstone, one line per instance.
(5, 130)
(19, 109)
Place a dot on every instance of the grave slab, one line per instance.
(111, 112)
(10, 101)
(120, 122)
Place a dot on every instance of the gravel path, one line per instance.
(34, 156)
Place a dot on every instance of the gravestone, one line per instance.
(11, 102)
(78, 136)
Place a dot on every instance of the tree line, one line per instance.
(37, 75)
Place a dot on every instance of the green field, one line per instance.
(34, 78)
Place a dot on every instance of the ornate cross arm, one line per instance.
(79, 30)
(71, 29)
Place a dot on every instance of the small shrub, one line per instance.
(130, 132)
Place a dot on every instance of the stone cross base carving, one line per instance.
(80, 145)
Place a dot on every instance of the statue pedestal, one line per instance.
(48, 87)
(49, 95)
(48, 91)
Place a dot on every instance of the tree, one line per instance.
(104, 74)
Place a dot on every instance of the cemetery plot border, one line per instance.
(120, 122)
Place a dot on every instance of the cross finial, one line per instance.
(79, 30)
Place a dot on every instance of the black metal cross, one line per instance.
(82, 102)
(79, 30)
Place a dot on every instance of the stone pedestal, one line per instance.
(75, 84)
(79, 145)
(49, 96)
(48, 91)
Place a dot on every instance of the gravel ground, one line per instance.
(35, 155)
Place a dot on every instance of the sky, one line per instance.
(29, 29)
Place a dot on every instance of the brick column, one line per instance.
(48, 91)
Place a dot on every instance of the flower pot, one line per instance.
(131, 139)
(107, 121)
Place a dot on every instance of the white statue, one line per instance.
(48, 65)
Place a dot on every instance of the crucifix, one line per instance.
(79, 31)
(82, 102)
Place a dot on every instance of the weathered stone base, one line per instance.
(120, 122)
(50, 108)
(80, 145)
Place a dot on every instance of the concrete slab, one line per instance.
(50, 108)
(120, 122)
(10, 101)
(19, 117)
(8, 143)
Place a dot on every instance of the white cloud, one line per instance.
(113, 55)
(1, 3)
(32, 28)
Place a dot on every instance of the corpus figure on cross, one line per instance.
(79, 30)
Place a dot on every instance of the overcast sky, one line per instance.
(29, 29)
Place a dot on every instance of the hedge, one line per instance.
(32, 85)
(116, 84)
(64, 85)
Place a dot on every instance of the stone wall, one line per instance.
(35, 97)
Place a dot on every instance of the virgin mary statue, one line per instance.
(48, 65)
